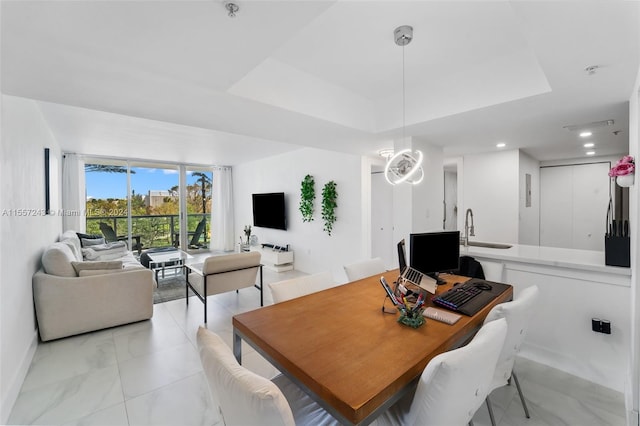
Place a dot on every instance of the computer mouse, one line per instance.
(483, 286)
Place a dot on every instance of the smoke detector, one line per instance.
(232, 8)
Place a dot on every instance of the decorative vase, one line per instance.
(625, 181)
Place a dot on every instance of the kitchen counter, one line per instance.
(585, 260)
(575, 286)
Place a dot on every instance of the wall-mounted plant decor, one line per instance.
(307, 195)
(329, 204)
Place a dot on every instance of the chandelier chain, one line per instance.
(404, 106)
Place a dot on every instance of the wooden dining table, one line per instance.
(342, 349)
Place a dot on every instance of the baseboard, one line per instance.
(13, 389)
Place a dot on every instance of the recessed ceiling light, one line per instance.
(591, 153)
(589, 145)
(585, 134)
(501, 145)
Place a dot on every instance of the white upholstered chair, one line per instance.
(242, 397)
(364, 268)
(493, 271)
(300, 286)
(453, 385)
(220, 274)
(518, 314)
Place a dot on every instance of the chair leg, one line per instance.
(205, 300)
(261, 287)
(524, 404)
(490, 409)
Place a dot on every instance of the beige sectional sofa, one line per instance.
(74, 295)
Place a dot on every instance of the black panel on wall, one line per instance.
(47, 183)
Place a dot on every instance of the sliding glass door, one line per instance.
(198, 205)
(150, 217)
(106, 192)
(154, 204)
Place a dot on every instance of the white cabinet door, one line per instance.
(573, 206)
(556, 206)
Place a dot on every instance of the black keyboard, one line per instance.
(457, 297)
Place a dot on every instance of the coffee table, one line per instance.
(173, 259)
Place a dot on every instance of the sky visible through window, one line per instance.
(101, 185)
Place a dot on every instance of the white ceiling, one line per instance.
(181, 80)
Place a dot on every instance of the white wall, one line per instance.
(428, 195)
(314, 250)
(24, 137)
(490, 189)
(529, 217)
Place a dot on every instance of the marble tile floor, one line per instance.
(149, 373)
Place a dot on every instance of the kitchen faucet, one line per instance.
(467, 228)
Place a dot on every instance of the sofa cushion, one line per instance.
(130, 262)
(56, 260)
(93, 265)
(70, 237)
(109, 251)
(69, 234)
(76, 250)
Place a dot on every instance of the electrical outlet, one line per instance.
(601, 326)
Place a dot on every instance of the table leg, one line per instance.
(237, 347)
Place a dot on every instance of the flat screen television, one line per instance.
(269, 210)
(434, 252)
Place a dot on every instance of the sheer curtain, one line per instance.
(73, 193)
(222, 224)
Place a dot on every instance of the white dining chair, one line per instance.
(517, 314)
(364, 268)
(493, 271)
(242, 397)
(300, 286)
(453, 385)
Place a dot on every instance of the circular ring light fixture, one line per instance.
(405, 166)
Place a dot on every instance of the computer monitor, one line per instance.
(434, 252)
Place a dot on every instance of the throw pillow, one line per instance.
(89, 242)
(92, 266)
(92, 272)
(87, 236)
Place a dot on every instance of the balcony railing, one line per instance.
(154, 230)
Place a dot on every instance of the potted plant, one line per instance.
(329, 204)
(244, 245)
(307, 195)
(623, 171)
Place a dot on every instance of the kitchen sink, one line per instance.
(488, 245)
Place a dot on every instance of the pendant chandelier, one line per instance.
(405, 165)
